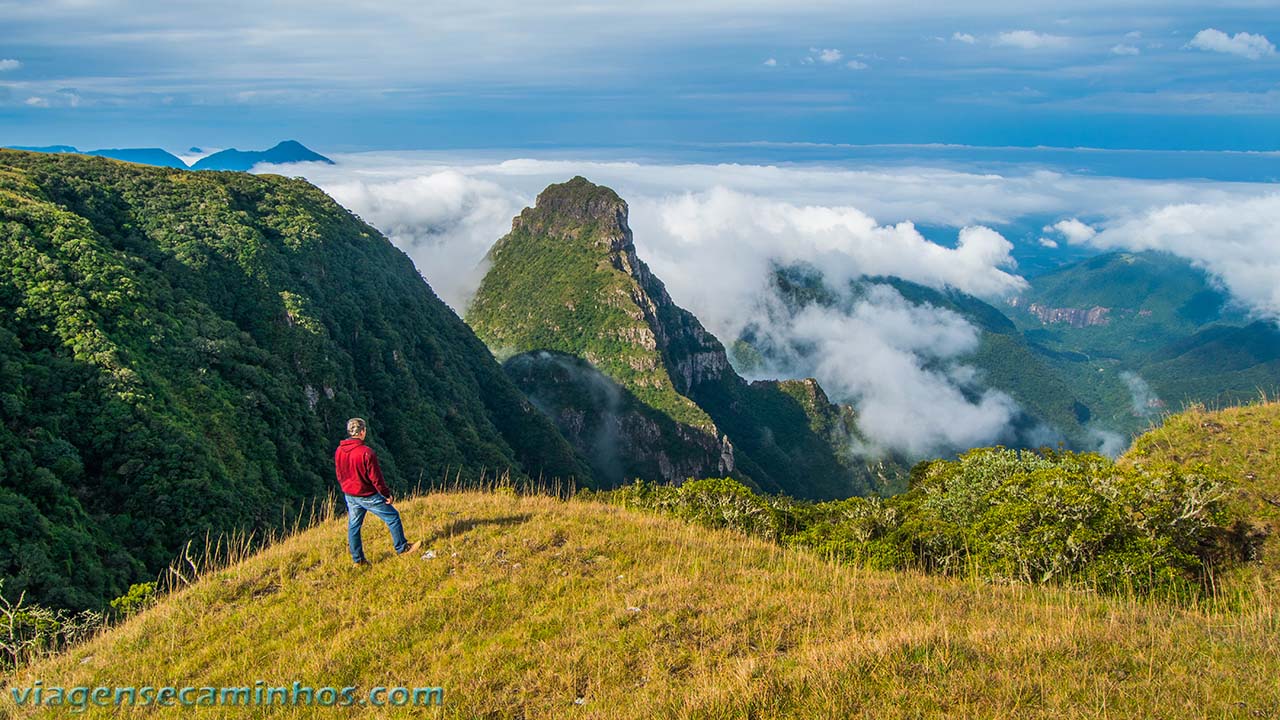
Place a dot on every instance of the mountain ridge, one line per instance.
(286, 151)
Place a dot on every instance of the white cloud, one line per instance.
(771, 62)
(1030, 40)
(827, 55)
(685, 236)
(1143, 400)
(1123, 49)
(35, 101)
(1051, 244)
(897, 363)
(1073, 230)
(964, 38)
(857, 65)
(9, 64)
(1242, 43)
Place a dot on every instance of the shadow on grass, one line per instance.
(458, 527)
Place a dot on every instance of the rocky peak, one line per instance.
(578, 208)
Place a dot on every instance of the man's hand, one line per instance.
(390, 500)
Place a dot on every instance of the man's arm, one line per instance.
(375, 475)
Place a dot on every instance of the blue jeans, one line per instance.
(378, 505)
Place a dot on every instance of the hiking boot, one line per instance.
(362, 564)
(413, 547)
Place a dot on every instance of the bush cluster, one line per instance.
(1031, 516)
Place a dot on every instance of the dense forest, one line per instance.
(179, 352)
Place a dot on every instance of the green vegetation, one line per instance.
(1033, 517)
(538, 608)
(29, 631)
(179, 352)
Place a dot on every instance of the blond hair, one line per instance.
(355, 426)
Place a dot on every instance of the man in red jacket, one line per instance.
(362, 484)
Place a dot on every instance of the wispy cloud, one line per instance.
(9, 64)
(1030, 40)
(964, 38)
(827, 55)
(1123, 49)
(857, 65)
(771, 62)
(1242, 44)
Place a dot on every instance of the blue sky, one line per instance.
(672, 76)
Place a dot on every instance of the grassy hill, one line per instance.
(1243, 443)
(537, 608)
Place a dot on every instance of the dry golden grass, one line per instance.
(537, 608)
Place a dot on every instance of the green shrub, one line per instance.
(139, 598)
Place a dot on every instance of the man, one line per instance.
(362, 484)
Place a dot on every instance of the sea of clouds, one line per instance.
(714, 232)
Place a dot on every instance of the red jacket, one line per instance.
(358, 471)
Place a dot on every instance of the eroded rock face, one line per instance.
(1075, 317)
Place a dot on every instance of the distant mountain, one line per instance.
(179, 353)
(566, 281)
(1219, 365)
(289, 151)
(142, 156)
(1137, 334)
(44, 148)
(1121, 305)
